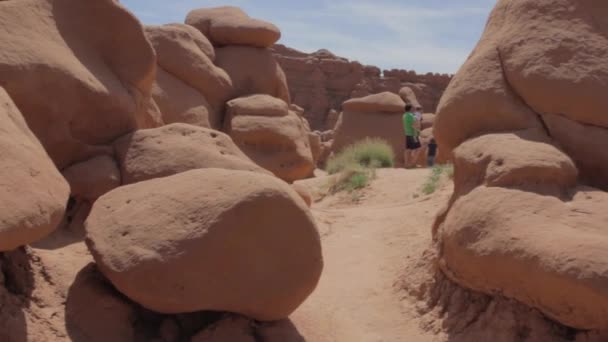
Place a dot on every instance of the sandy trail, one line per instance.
(370, 247)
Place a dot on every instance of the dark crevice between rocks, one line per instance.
(17, 272)
(466, 313)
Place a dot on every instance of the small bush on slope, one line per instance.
(369, 153)
(357, 164)
(430, 186)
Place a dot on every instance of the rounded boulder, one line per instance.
(217, 240)
(232, 26)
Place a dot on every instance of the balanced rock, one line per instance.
(184, 54)
(213, 239)
(34, 194)
(279, 144)
(79, 82)
(257, 105)
(232, 26)
(385, 102)
(175, 148)
(374, 116)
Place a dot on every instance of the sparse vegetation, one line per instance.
(430, 186)
(357, 163)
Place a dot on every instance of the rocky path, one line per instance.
(371, 248)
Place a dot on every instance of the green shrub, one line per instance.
(357, 163)
(367, 153)
(431, 184)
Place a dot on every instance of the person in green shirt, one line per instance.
(412, 141)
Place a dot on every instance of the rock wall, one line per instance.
(525, 120)
(321, 81)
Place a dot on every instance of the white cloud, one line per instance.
(404, 36)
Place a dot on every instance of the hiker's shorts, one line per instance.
(412, 143)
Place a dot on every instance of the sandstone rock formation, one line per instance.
(176, 148)
(231, 26)
(374, 116)
(189, 87)
(34, 195)
(253, 71)
(385, 102)
(525, 120)
(320, 82)
(275, 138)
(183, 232)
(70, 73)
(92, 178)
(409, 97)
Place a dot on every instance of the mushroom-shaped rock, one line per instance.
(279, 144)
(33, 194)
(175, 148)
(253, 71)
(183, 54)
(374, 116)
(79, 82)
(258, 105)
(213, 239)
(385, 102)
(232, 26)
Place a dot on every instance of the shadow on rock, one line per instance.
(16, 286)
(94, 311)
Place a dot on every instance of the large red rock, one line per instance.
(253, 71)
(279, 144)
(178, 102)
(79, 81)
(374, 116)
(547, 252)
(184, 53)
(515, 73)
(33, 194)
(232, 26)
(525, 119)
(176, 148)
(213, 239)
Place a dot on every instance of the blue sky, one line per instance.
(423, 35)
